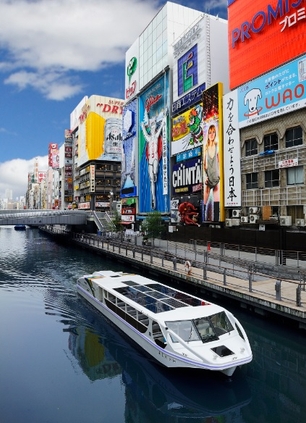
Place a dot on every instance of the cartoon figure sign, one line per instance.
(153, 148)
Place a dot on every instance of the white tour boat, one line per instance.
(177, 329)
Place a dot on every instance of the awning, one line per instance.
(126, 223)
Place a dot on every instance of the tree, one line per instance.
(153, 225)
(117, 222)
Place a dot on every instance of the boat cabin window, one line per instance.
(185, 330)
(205, 329)
(212, 327)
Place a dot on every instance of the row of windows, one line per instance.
(293, 137)
(295, 176)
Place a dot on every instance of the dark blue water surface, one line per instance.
(62, 362)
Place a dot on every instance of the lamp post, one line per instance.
(111, 195)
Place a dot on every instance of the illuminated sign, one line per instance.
(187, 176)
(231, 147)
(187, 131)
(213, 155)
(262, 18)
(276, 93)
(153, 136)
(264, 35)
(129, 151)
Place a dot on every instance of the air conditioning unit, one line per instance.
(236, 213)
(253, 218)
(253, 210)
(235, 222)
(244, 219)
(228, 223)
(285, 220)
(299, 222)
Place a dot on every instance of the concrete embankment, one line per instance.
(263, 294)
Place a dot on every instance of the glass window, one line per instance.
(251, 180)
(272, 178)
(271, 142)
(295, 175)
(294, 136)
(184, 329)
(251, 147)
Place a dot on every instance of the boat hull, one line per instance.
(161, 355)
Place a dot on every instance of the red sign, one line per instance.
(263, 35)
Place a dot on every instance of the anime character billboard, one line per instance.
(154, 147)
(187, 130)
(213, 154)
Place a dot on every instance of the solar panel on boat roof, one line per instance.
(156, 297)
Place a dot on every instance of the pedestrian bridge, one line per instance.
(43, 217)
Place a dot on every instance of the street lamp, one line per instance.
(111, 194)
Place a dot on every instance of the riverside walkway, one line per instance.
(268, 293)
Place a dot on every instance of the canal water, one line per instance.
(61, 362)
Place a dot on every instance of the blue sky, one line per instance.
(52, 54)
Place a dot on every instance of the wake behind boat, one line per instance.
(177, 329)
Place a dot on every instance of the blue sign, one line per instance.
(278, 92)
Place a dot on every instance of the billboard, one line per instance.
(132, 71)
(274, 94)
(100, 130)
(153, 132)
(187, 177)
(187, 130)
(213, 204)
(264, 35)
(53, 156)
(190, 66)
(232, 153)
(129, 151)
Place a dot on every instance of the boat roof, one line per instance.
(153, 297)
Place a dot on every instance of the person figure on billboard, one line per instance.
(211, 168)
(152, 134)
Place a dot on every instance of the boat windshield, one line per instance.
(205, 329)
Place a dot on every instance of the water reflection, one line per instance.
(40, 310)
(103, 352)
(277, 376)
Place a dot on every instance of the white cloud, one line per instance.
(14, 174)
(209, 5)
(42, 40)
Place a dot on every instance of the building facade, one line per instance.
(267, 122)
(180, 54)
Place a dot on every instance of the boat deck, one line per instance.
(149, 294)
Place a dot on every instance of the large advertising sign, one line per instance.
(153, 181)
(213, 204)
(100, 130)
(190, 67)
(132, 71)
(129, 151)
(187, 177)
(263, 35)
(231, 142)
(53, 156)
(187, 130)
(276, 93)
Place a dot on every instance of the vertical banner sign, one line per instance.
(213, 204)
(232, 171)
(92, 176)
(154, 147)
(129, 151)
